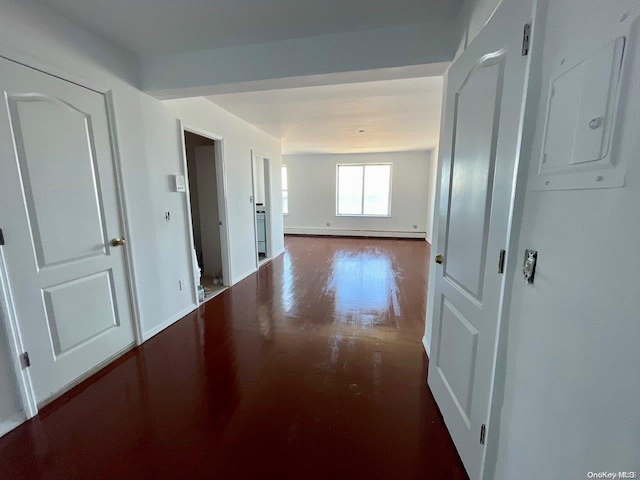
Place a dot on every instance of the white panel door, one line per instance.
(479, 149)
(59, 213)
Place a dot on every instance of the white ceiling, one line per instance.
(396, 115)
(150, 27)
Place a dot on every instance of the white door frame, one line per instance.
(267, 193)
(12, 324)
(222, 202)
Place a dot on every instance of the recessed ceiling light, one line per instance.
(360, 131)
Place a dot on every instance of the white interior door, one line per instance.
(59, 214)
(479, 149)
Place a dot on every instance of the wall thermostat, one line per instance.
(179, 184)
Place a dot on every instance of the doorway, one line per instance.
(261, 175)
(207, 203)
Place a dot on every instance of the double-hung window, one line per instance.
(364, 190)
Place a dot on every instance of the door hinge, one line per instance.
(1, 238)
(26, 362)
(525, 39)
(483, 433)
(501, 261)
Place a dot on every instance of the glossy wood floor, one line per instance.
(312, 368)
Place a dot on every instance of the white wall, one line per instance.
(474, 14)
(150, 148)
(239, 139)
(571, 398)
(293, 62)
(312, 194)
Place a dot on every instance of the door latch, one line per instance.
(529, 266)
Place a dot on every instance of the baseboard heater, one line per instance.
(354, 233)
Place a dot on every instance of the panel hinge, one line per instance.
(1, 238)
(501, 261)
(483, 433)
(26, 362)
(525, 39)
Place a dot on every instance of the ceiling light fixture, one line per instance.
(360, 131)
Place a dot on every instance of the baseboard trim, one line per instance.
(9, 424)
(278, 253)
(243, 276)
(426, 346)
(353, 233)
(167, 323)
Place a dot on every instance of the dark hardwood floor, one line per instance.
(312, 368)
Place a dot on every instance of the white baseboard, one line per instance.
(354, 233)
(157, 329)
(243, 276)
(278, 253)
(9, 424)
(427, 347)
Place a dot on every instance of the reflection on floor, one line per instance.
(210, 287)
(311, 368)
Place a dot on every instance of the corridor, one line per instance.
(311, 368)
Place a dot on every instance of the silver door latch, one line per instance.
(529, 267)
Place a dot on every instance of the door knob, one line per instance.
(439, 258)
(118, 242)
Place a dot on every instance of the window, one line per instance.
(285, 191)
(364, 190)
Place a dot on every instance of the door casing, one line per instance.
(222, 195)
(16, 343)
(268, 194)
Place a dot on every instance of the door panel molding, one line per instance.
(17, 344)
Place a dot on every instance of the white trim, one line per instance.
(187, 202)
(214, 295)
(244, 275)
(9, 424)
(264, 261)
(23, 376)
(267, 209)
(427, 347)
(167, 323)
(224, 218)
(354, 233)
(16, 345)
(132, 289)
(89, 373)
(48, 68)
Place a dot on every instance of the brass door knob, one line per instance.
(118, 242)
(439, 258)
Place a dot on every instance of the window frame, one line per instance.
(282, 189)
(364, 165)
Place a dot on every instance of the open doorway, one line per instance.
(261, 169)
(207, 200)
